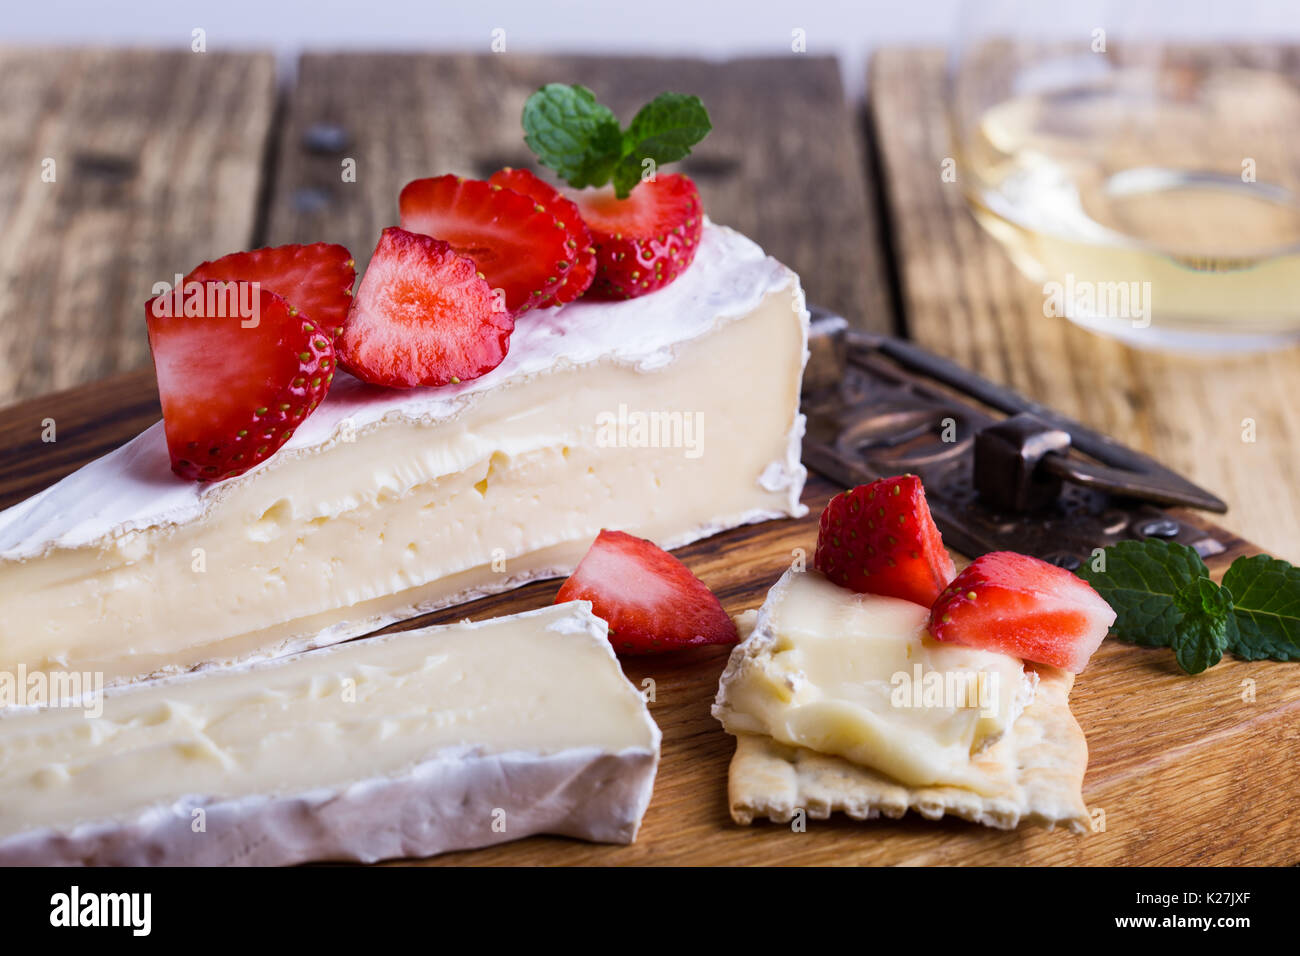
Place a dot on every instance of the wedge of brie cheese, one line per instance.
(858, 676)
(671, 416)
(407, 744)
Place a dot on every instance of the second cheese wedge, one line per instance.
(407, 744)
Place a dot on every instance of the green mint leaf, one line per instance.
(573, 134)
(663, 132)
(581, 140)
(1140, 581)
(1205, 627)
(1266, 599)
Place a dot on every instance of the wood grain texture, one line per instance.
(1185, 770)
(962, 297)
(157, 161)
(782, 165)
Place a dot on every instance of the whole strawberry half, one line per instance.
(516, 242)
(1018, 605)
(880, 539)
(578, 271)
(234, 386)
(423, 315)
(651, 601)
(642, 242)
(315, 279)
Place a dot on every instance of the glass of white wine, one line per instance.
(1141, 160)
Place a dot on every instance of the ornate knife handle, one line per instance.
(1001, 472)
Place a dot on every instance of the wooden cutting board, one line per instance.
(1182, 770)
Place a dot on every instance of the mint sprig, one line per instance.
(1163, 596)
(579, 138)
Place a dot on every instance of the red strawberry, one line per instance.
(517, 243)
(581, 267)
(316, 280)
(423, 315)
(1018, 605)
(232, 390)
(643, 242)
(650, 600)
(880, 539)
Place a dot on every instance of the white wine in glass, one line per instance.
(1148, 177)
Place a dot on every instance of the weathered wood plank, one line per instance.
(963, 298)
(783, 164)
(157, 158)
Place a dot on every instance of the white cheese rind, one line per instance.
(438, 807)
(276, 745)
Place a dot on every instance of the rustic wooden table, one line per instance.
(162, 159)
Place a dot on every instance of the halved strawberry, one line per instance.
(1018, 605)
(880, 539)
(643, 242)
(423, 315)
(580, 269)
(234, 386)
(651, 601)
(316, 279)
(516, 242)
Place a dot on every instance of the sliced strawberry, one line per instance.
(880, 539)
(1018, 605)
(650, 600)
(516, 242)
(643, 242)
(423, 315)
(580, 268)
(234, 386)
(316, 280)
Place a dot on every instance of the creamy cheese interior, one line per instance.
(858, 676)
(540, 682)
(334, 540)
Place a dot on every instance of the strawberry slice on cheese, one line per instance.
(423, 315)
(645, 241)
(519, 245)
(315, 279)
(1025, 607)
(579, 268)
(880, 539)
(234, 387)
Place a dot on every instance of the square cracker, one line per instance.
(1045, 753)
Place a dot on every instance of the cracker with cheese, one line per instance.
(819, 697)
(1045, 756)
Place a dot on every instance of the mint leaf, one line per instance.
(663, 131)
(1267, 608)
(581, 140)
(573, 134)
(1140, 581)
(1205, 625)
